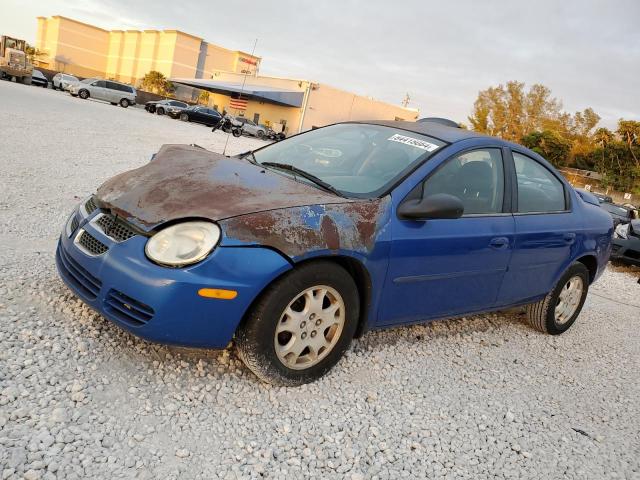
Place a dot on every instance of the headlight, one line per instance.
(183, 244)
(621, 231)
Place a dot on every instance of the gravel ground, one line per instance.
(477, 397)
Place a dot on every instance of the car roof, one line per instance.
(432, 129)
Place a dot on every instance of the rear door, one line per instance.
(444, 267)
(545, 230)
(112, 92)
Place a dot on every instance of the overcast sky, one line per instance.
(441, 53)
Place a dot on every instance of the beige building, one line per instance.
(127, 55)
(299, 105)
(230, 76)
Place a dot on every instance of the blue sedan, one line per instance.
(292, 250)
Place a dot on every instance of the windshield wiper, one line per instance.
(304, 174)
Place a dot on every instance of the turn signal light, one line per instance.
(218, 293)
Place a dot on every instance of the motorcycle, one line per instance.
(228, 125)
(272, 135)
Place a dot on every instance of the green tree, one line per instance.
(156, 82)
(629, 132)
(203, 98)
(551, 145)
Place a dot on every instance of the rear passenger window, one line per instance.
(112, 86)
(538, 189)
(475, 177)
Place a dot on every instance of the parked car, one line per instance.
(619, 213)
(38, 79)
(62, 81)
(251, 128)
(626, 243)
(602, 198)
(174, 111)
(295, 248)
(199, 114)
(110, 91)
(160, 106)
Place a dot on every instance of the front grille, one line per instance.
(76, 275)
(91, 244)
(127, 309)
(115, 228)
(74, 223)
(90, 206)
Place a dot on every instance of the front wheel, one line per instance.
(236, 132)
(160, 111)
(556, 312)
(184, 117)
(83, 94)
(301, 325)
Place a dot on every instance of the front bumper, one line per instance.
(162, 304)
(627, 251)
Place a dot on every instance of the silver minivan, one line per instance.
(110, 91)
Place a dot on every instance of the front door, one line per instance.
(444, 267)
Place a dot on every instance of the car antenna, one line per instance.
(244, 80)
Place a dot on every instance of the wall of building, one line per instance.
(327, 105)
(88, 51)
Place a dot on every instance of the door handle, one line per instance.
(569, 238)
(499, 242)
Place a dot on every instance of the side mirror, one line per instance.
(440, 205)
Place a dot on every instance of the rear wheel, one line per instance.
(83, 94)
(124, 103)
(260, 134)
(556, 312)
(236, 132)
(301, 325)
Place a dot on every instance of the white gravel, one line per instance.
(480, 397)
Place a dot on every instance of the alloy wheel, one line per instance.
(309, 327)
(569, 299)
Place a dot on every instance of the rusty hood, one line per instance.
(186, 182)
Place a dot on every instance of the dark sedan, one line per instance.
(160, 106)
(199, 114)
(626, 243)
(38, 79)
(619, 213)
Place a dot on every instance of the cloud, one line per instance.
(442, 53)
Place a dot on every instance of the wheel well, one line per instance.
(360, 276)
(591, 263)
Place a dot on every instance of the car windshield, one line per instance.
(359, 160)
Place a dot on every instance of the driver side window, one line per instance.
(475, 177)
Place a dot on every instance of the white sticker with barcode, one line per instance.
(413, 142)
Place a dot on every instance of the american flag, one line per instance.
(238, 103)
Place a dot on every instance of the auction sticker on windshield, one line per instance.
(414, 142)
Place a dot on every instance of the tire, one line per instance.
(160, 111)
(124, 103)
(236, 132)
(26, 80)
(544, 314)
(256, 337)
(83, 94)
(260, 134)
(184, 117)
(113, 103)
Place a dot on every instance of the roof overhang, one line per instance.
(262, 93)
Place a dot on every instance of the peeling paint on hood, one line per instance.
(190, 182)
